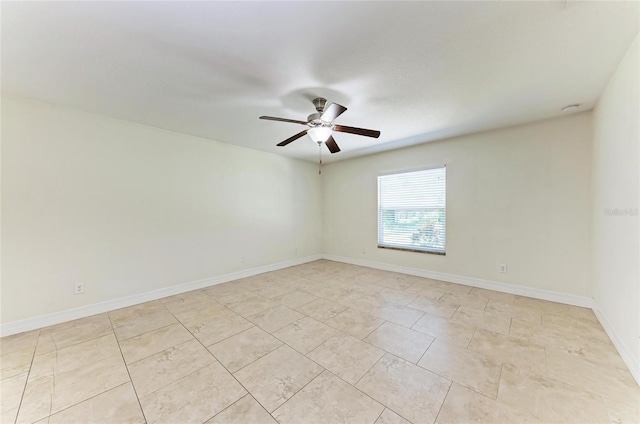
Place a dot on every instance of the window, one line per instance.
(411, 210)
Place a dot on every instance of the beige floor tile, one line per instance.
(549, 400)
(228, 295)
(610, 382)
(455, 288)
(206, 313)
(356, 323)
(515, 311)
(9, 416)
(144, 324)
(98, 320)
(294, 299)
(276, 377)
(195, 398)
(494, 295)
(622, 414)
(187, 301)
(275, 318)
(46, 396)
(133, 313)
(518, 356)
(433, 306)
(366, 304)
(346, 356)
(470, 369)
(327, 292)
(17, 362)
(118, 405)
(543, 305)
(51, 340)
(411, 391)
(390, 417)
(306, 334)
(163, 368)
(246, 410)
(581, 313)
(75, 356)
(321, 309)
(400, 341)
(445, 329)
(244, 348)
(366, 289)
(483, 319)
(398, 314)
(469, 300)
(577, 326)
(396, 296)
(272, 290)
(148, 344)
(329, 400)
(463, 405)
(391, 280)
(225, 325)
(251, 306)
(11, 389)
(596, 351)
(427, 291)
(538, 334)
(20, 341)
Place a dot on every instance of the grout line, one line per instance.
(384, 408)
(499, 380)
(128, 373)
(444, 400)
(426, 350)
(374, 330)
(222, 365)
(475, 331)
(26, 381)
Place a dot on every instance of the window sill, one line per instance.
(406, 249)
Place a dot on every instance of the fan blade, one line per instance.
(294, 138)
(331, 112)
(332, 145)
(293, 121)
(358, 131)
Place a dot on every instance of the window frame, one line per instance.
(407, 171)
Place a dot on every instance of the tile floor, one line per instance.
(323, 342)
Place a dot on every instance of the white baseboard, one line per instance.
(623, 349)
(40, 321)
(570, 299)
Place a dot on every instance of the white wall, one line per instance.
(616, 185)
(519, 195)
(127, 208)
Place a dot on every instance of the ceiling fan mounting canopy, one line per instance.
(321, 125)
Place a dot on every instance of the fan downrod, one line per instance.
(320, 103)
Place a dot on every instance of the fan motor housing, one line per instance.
(320, 103)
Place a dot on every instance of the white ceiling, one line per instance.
(416, 71)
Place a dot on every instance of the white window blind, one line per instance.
(412, 210)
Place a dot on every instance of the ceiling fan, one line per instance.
(321, 125)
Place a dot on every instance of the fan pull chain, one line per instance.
(319, 158)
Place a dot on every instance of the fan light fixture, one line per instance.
(319, 134)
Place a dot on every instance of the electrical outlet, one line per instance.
(78, 288)
(242, 259)
(295, 250)
(364, 250)
(503, 268)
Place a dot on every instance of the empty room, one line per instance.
(320, 212)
